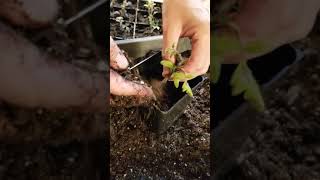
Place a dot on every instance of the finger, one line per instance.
(117, 59)
(29, 13)
(122, 87)
(171, 35)
(199, 61)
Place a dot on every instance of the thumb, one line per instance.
(117, 59)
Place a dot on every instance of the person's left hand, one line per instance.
(118, 85)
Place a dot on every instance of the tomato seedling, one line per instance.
(123, 8)
(176, 74)
(154, 24)
(242, 81)
(122, 24)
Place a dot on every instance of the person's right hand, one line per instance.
(118, 85)
(271, 22)
(187, 18)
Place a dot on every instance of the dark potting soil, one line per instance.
(181, 153)
(286, 144)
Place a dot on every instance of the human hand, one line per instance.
(187, 18)
(29, 13)
(271, 23)
(118, 85)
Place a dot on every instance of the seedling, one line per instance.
(176, 74)
(242, 81)
(112, 2)
(154, 24)
(122, 24)
(123, 8)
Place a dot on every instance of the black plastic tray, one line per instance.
(160, 119)
(265, 69)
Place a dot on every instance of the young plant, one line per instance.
(112, 2)
(123, 8)
(176, 74)
(242, 80)
(122, 24)
(154, 24)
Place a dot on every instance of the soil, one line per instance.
(125, 29)
(286, 144)
(180, 153)
(41, 144)
(68, 161)
(137, 152)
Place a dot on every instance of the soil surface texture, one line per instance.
(180, 153)
(286, 144)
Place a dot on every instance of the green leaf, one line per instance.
(243, 81)
(171, 51)
(215, 68)
(223, 44)
(182, 76)
(176, 83)
(186, 88)
(189, 76)
(178, 75)
(255, 47)
(168, 64)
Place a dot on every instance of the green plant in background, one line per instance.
(112, 2)
(123, 8)
(122, 24)
(242, 80)
(154, 24)
(176, 74)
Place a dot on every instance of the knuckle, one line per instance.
(202, 70)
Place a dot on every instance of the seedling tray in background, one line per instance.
(139, 28)
(139, 47)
